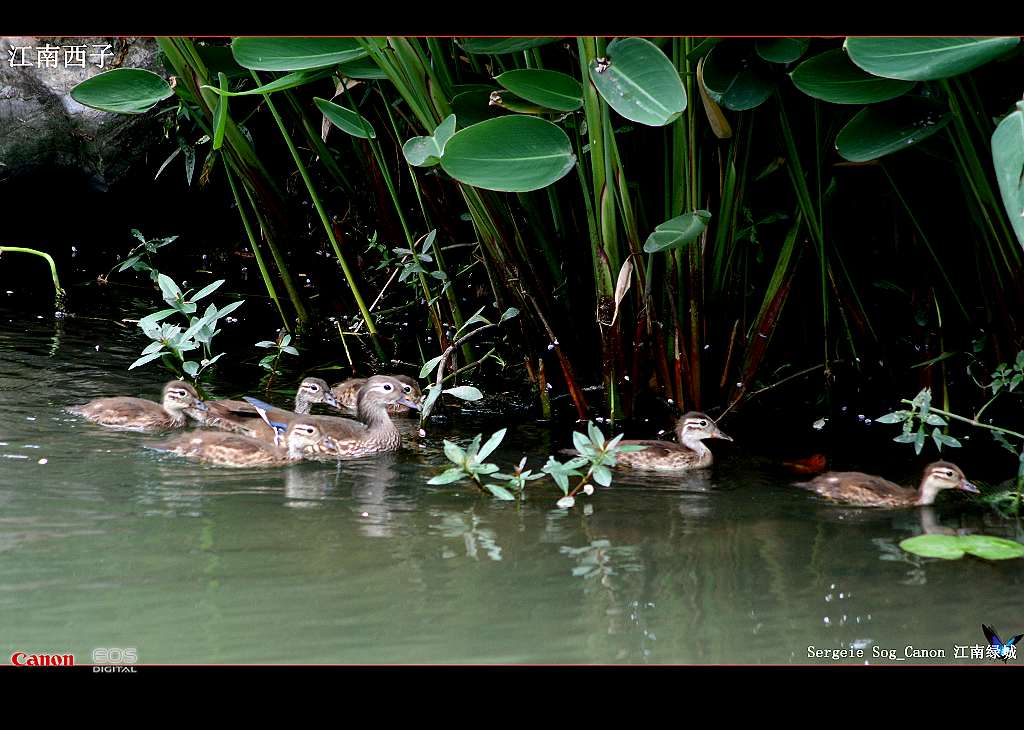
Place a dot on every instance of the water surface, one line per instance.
(104, 543)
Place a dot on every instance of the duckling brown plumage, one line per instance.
(689, 453)
(347, 391)
(138, 414)
(864, 490)
(235, 450)
(241, 417)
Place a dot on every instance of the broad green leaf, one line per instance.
(448, 476)
(508, 314)
(171, 291)
(152, 347)
(344, 119)
(146, 358)
(782, 50)
(465, 392)
(454, 452)
(491, 444)
(503, 45)
(500, 492)
(946, 547)
(515, 103)
(289, 81)
(602, 475)
(894, 417)
(474, 106)
(832, 77)
(639, 82)
(677, 232)
(991, 548)
(230, 308)
(123, 91)
(1008, 159)
(550, 89)
(190, 367)
(294, 54)
(925, 59)
(736, 77)
(882, 129)
(429, 366)
(510, 154)
(427, 151)
(362, 68)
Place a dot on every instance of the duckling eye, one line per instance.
(180, 393)
(387, 386)
(313, 387)
(703, 424)
(407, 389)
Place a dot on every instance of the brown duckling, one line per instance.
(374, 432)
(234, 450)
(689, 453)
(137, 414)
(347, 390)
(865, 490)
(242, 417)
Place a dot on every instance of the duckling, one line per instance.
(865, 490)
(137, 414)
(241, 417)
(346, 392)
(689, 453)
(235, 450)
(373, 433)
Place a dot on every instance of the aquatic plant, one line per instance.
(595, 452)
(171, 342)
(140, 258)
(281, 346)
(58, 292)
(954, 547)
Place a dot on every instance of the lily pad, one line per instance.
(954, 547)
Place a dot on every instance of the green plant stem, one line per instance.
(58, 291)
(328, 229)
(971, 421)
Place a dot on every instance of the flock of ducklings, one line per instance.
(250, 433)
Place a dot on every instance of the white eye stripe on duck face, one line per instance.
(694, 423)
(311, 387)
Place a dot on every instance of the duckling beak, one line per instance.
(720, 434)
(331, 401)
(408, 403)
(201, 406)
(968, 487)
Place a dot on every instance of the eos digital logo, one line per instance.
(113, 659)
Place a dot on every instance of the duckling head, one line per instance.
(302, 435)
(179, 396)
(378, 393)
(942, 475)
(314, 390)
(696, 426)
(410, 388)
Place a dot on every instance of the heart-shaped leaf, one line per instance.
(510, 154)
(550, 89)
(925, 59)
(881, 129)
(123, 90)
(639, 82)
(832, 77)
(677, 232)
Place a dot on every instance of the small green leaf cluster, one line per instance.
(177, 340)
(416, 259)
(281, 346)
(1007, 376)
(595, 452)
(139, 258)
(916, 421)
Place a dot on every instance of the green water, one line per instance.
(109, 544)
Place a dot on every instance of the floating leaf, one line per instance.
(510, 154)
(925, 59)
(882, 129)
(677, 232)
(550, 89)
(953, 547)
(639, 82)
(344, 119)
(294, 54)
(123, 91)
(1008, 159)
(832, 77)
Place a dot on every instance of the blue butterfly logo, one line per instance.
(1003, 650)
